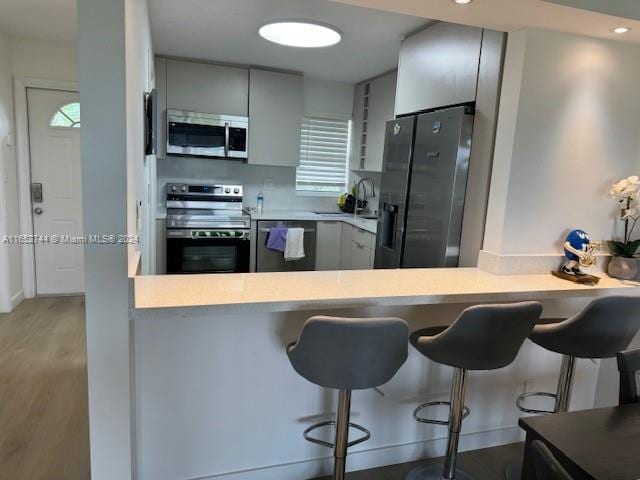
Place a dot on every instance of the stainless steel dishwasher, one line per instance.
(270, 261)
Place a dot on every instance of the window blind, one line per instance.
(324, 147)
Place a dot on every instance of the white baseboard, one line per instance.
(17, 299)
(372, 458)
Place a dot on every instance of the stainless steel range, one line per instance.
(207, 229)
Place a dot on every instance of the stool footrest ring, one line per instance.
(324, 443)
(465, 413)
(524, 396)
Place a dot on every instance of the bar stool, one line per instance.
(603, 328)
(348, 354)
(483, 337)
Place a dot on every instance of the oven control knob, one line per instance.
(227, 190)
(236, 190)
(184, 188)
(173, 188)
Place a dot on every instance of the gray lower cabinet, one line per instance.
(360, 257)
(357, 248)
(362, 249)
(329, 246)
(345, 247)
(276, 107)
(207, 88)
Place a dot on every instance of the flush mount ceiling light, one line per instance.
(300, 33)
(621, 30)
(462, 2)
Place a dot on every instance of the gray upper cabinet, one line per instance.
(373, 106)
(382, 95)
(276, 108)
(206, 88)
(438, 67)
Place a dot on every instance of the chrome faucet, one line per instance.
(362, 185)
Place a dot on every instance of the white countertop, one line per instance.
(363, 223)
(271, 292)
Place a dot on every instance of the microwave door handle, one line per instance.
(226, 139)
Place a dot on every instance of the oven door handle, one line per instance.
(179, 233)
(226, 139)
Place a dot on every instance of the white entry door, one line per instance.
(54, 141)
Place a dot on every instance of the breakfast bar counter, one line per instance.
(277, 292)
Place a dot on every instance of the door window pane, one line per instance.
(67, 116)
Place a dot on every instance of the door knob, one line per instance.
(37, 211)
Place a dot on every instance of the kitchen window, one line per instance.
(324, 153)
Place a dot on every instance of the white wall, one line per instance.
(140, 169)
(114, 50)
(277, 183)
(569, 126)
(10, 265)
(43, 60)
(21, 57)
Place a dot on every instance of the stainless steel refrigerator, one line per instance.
(424, 182)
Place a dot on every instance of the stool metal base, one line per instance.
(465, 413)
(521, 399)
(435, 472)
(562, 396)
(324, 443)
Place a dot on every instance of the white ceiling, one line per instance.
(227, 31)
(622, 8)
(53, 20)
(509, 15)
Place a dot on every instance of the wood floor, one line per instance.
(485, 464)
(44, 427)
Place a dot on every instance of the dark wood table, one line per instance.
(600, 444)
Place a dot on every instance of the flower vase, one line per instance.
(624, 268)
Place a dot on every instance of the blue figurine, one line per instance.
(579, 250)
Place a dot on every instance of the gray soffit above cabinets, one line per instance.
(618, 8)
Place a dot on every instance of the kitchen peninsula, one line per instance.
(210, 366)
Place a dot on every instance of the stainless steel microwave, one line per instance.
(207, 135)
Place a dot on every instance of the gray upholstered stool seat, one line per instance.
(348, 354)
(603, 328)
(484, 337)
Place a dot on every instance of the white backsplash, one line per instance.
(276, 183)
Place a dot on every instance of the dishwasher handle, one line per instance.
(306, 230)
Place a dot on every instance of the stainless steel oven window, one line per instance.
(206, 258)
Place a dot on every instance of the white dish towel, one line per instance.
(294, 249)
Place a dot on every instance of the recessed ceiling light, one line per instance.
(300, 33)
(621, 30)
(462, 2)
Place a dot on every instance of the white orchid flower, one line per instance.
(626, 188)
